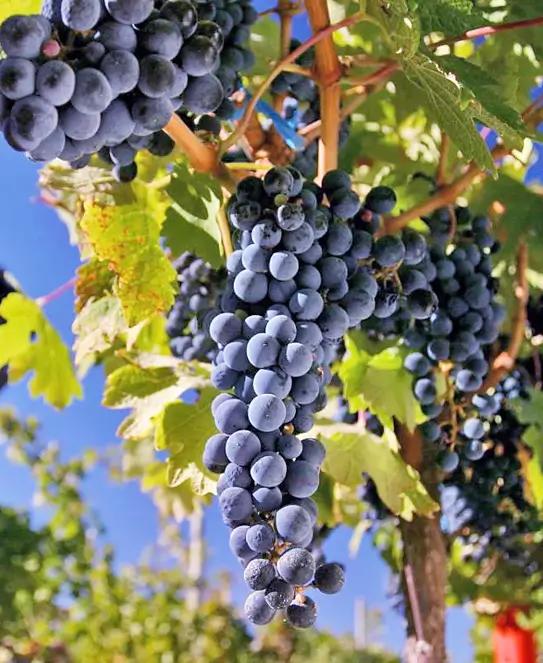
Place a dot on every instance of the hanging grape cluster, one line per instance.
(304, 271)
(105, 76)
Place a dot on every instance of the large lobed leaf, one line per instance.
(128, 237)
(352, 453)
(530, 413)
(450, 17)
(29, 343)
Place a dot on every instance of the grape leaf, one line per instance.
(351, 453)
(94, 280)
(127, 236)
(379, 382)
(29, 343)
(10, 7)
(401, 26)
(263, 33)
(487, 103)
(192, 220)
(530, 413)
(130, 385)
(451, 17)
(442, 98)
(97, 326)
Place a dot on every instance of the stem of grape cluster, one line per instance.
(226, 236)
(488, 30)
(58, 292)
(291, 58)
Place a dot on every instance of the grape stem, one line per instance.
(328, 74)
(487, 30)
(505, 361)
(290, 59)
(201, 156)
(58, 292)
(226, 235)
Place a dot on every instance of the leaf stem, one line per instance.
(291, 58)
(488, 30)
(61, 290)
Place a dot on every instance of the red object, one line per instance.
(512, 643)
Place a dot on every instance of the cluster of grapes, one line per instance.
(300, 277)
(200, 287)
(105, 76)
(454, 342)
(302, 108)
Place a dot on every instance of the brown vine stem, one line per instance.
(505, 361)
(488, 30)
(328, 73)
(441, 175)
(201, 156)
(291, 58)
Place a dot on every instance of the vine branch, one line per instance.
(289, 59)
(328, 73)
(58, 292)
(488, 30)
(505, 361)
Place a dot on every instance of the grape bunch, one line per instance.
(302, 107)
(454, 342)
(200, 287)
(105, 76)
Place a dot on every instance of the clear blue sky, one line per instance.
(35, 249)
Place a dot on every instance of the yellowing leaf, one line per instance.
(130, 385)
(94, 280)
(127, 236)
(28, 343)
(96, 328)
(351, 453)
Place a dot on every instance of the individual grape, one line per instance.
(257, 609)
(266, 234)
(203, 94)
(116, 36)
(22, 37)
(425, 391)
(50, 148)
(215, 458)
(333, 321)
(381, 200)
(267, 499)
(305, 389)
(358, 306)
(256, 259)
(183, 13)
(309, 334)
(339, 239)
(329, 578)
(302, 478)
(244, 214)
(309, 276)
(33, 119)
(236, 503)
(157, 76)
(417, 364)
(199, 56)
(421, 304)
(279, 594)
(17, 78)
(295, 359)
(430, 431)
(290, 217)
(231, 416)
(333, 271)
(260, 538)
(386, 304)
(122, 70)
(225, 327)
(152, 114)
(283, 265)
(55, 82)
(448, 461)
(116, 127)
(473, 429)
(389, 251)
(266, 413)
(161, 37)
(300, 240)
(334, 180)
(235, 355)
(413, 280)
(279, 181)
(254, 324)
(302, 613)
(296, 566)
(223, 377)
(282, 328)
(238, 542)
(415, 247)
(93, 93)
(263, 350)
(81, 15)
(439, 349)
(130, 12)
(468, 381)
(272, 381)
(293, 523)
(281, 291)
(289, 446)
(362, 244)
(474, 450)
(268, 469)
(125, 174)
(259, 573)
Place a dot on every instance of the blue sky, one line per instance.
(35, 249)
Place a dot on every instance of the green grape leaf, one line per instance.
(192, 220)
(351, 453)
(379, 382)
(128, 237)
(451, 17)
(487, 103)
(130, 385)
(97, 326)
(263, 33)
(442, 98)
(29, 343)
(10, 7)
(401, 26)
(530, 413)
